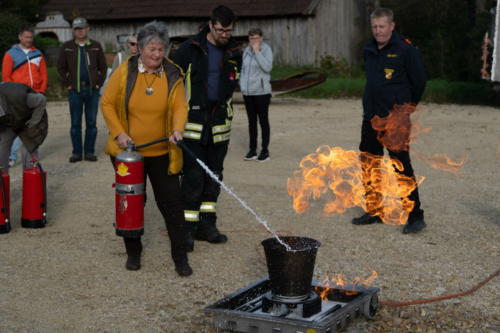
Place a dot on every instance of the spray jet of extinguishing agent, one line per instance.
(184, 147)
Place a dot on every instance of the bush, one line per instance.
(42, 43)
(341, 68)
(9, 31)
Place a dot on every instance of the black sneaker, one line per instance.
(182, 268)
(366, 219)
(75, 158)
(263, 157)
(133, 263)
(211, 235)
(252, 155)
(414, 226)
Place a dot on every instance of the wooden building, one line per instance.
(298, 31)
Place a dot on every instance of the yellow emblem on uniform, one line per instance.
(122, 170)
(311, 331)
(388, 73)
(392, 56)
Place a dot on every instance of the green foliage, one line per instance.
(448, 34)
(55, 89)
(9, 26)
(108, 47)
(341, 68)
(27, 10)
(42, 43)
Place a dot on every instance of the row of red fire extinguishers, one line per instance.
(34, 207)
(129, 185)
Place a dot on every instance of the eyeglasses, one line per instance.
(133, 44)
(222, 31)
(255, 38)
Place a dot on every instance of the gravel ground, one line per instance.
(71, 276)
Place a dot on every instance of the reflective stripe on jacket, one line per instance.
(204, 120)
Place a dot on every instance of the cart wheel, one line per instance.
(371, 307)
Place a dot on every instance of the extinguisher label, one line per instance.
(122, 170)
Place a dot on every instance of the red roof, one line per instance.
(94, 10)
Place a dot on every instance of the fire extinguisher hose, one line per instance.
(44, 194)
(4, 204)
(151, 143)
(180, 143)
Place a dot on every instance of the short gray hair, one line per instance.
(131, 37)
(153, 31)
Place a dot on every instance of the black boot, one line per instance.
(182, 268)
(208, 232)
(414, 226)
(189, 243)
(366, 219)
(192, 228)
(134, 250)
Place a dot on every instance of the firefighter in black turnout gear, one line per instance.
(395, 75)
(211, 62)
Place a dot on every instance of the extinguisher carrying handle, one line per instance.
(184, 147)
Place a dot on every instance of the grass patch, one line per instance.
(436, 91)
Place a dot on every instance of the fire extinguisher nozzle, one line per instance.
(184, 147)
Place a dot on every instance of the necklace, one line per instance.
(149, 91)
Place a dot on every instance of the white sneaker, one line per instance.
(12, 163)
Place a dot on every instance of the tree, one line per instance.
(14, 14)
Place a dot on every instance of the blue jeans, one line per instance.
(14, 149)
(76, 102)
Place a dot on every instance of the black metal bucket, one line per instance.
(291, 272)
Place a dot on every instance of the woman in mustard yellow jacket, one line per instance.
(144, 100)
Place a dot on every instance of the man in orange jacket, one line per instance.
(23, 63)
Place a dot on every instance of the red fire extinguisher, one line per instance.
(129, 170)
(130, 189)
(34, 210)
(5, 202)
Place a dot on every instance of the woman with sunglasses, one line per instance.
(129, 50)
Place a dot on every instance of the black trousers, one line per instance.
(258, 107)
(370, 144)
(198, 187)
(168, 197)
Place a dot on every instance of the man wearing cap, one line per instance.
(23, 63)
(82, 68)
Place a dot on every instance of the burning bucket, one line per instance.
(291, 272)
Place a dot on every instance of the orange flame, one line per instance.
(340, 282)
(484, 57)
(397, 133)
(342, 173)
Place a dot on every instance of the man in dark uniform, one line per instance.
(211, 62)
(395, 74)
